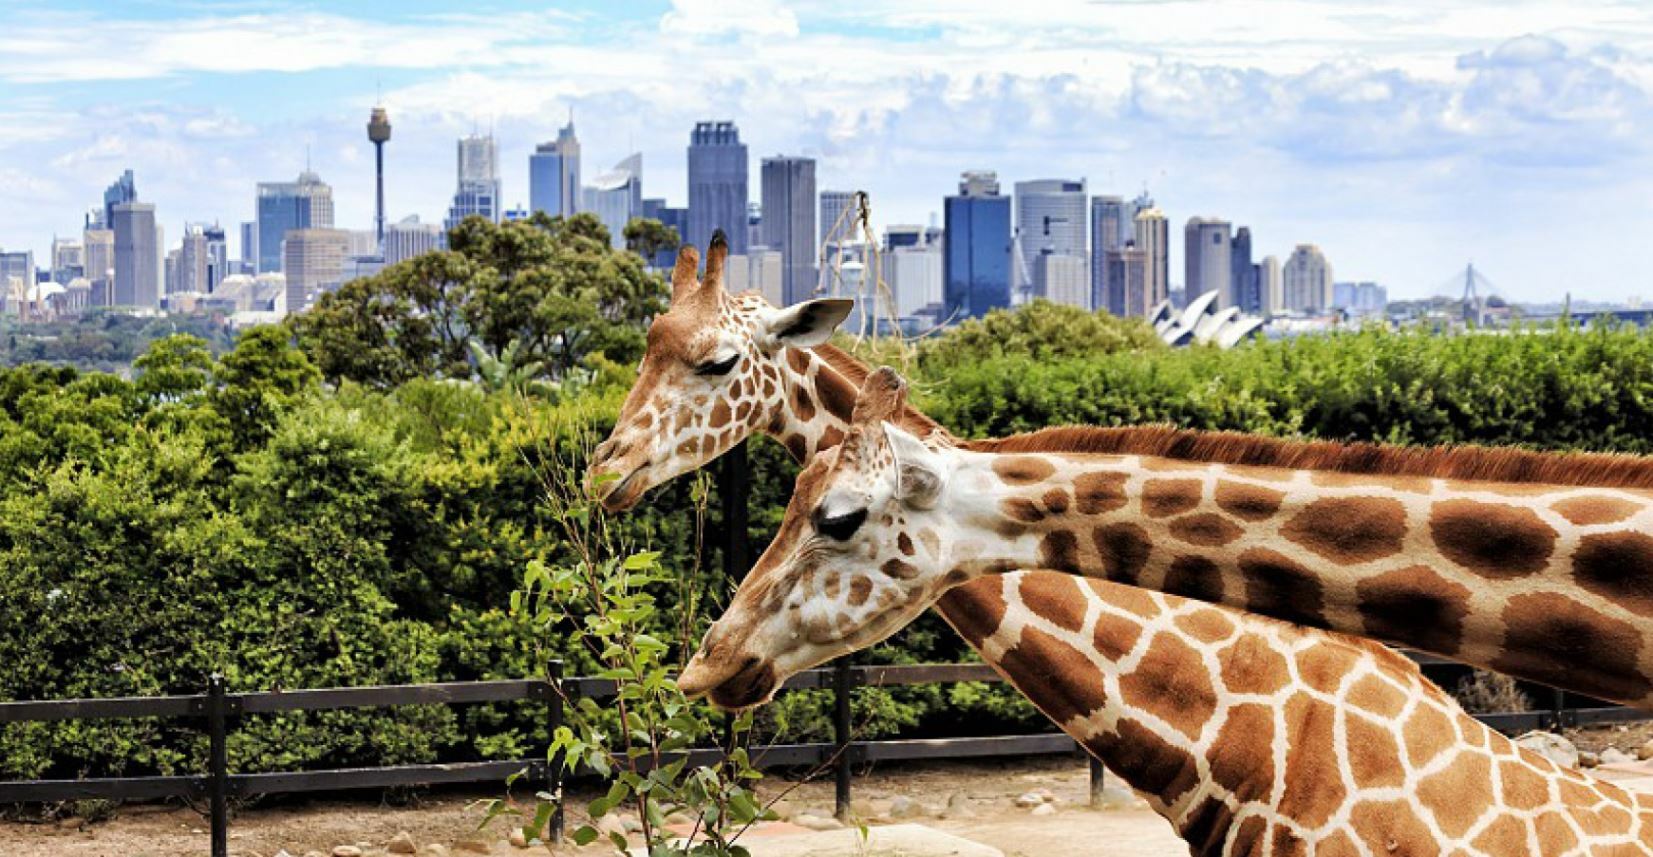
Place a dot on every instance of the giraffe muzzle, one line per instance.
(752, 682)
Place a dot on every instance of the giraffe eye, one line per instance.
(840, 527)
(720, 367)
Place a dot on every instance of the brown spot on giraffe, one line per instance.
(836, 395)
(1040, 659)
(1123, 550)
(797, 447)
(830, 437)
(1096, 492)
(1246, 765)
(1278, 586)
(1493, 540)
(904, 543)
(859, 589)
(1162, 498)
(1417, 605)
(898, 569)
(1057, 598)
(1022, 510)
(1022, 469)
(1195, 576)
(1392, 828)
(1207, 529)
(720, 414)
(1559, 641)
(1372, 694)
(1593, 510)
(1523, 788)
(1252, 665)
(1151, 764)
(803, 404)
(1250, 837)
(1427, 733)
(1554, 833)
(1248, 502)
(1206, 826)
(1349, 529)
(1322, 667)
(1171, 669)
(1505, 835)
(1206, 626)
(1059, 551)
(975, 610)
(1314, 789)
(798, 359)
(1619, 567)
(1373, 753)
(1055, 500)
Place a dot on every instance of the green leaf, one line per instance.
(585, 834)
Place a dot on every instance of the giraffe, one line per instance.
(1535, 565)
(1255, 736)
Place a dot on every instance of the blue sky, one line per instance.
(1404, 137)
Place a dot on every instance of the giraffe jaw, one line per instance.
(753, 682)
(623, 494)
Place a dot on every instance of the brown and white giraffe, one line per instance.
(1254, 736)
(1535, 565)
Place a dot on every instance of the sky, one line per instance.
(1406, 138)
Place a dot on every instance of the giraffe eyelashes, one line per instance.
(840, 527)
(720, 367)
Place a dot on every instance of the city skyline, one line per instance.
(1357, 128)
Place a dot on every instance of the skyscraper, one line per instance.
(1207, 259)
(409, 238)
(191, 270)
(478, 188)
(1110, 230)
(1050, 221)
(68, 259)
(789, 222)
(834, 207)
(976, 266)
(218, 255)
(378, 133)
(676, 218)
(1127, 281)
(137, 255)
(717, 185)
(249, 247)
(616, 197)
(100, 264)
(554, 174)
(313, 260)
(284, 206)
(1306, 280)
(1153, 236)
(1270, 287)
(1243, 276)
(123, 189)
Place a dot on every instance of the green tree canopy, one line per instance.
(1040, 330)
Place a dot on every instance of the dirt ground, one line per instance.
(973, 799)
(982, 795)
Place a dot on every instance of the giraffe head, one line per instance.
(710, 377)
(854, 561)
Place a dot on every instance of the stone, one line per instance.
(473, 846)
(1030, 800)
(902, 806)
(73, 822)
(517, 838)
(1045, 809)
(402, 843)
(1615, 756)
(347, 851)
(1046, 794)
(1646, 751)
(958, 806)
(1551, 746)
(816, 822)
(1587, 759)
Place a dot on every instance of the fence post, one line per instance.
(1558, 709)
(1099, 782)
(218, 779)
(554, 761)
(841, 738)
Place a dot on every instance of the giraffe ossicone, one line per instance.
(1548, 580)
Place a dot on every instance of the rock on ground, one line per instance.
(402, 843)
(1551, 746)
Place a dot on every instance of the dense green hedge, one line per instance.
(236, 514)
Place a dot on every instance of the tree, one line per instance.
(648, 237)
(555, 286)
(1041, 330)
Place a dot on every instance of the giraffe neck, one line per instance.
(817, 396)
(1254, 736)
(1551, 584)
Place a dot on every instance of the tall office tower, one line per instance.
(123, 189)
(913, 272)
(717, 186)
(977, 263)
(284, 206)
(554, 174)
(191, 271)
(677, 219)
(410, 238)
(313, 261)
(1270, 287)
(100, 264)
(1306, 280)
(616, 197)
(169, 273)
(16, 270)
(1063, 279)
(1153, 236)
(898, 235)
(1050, 221)
(249, 247)
(218, 256)
(1242, 277)
(378, 132)
(837, 210)
(1127, 281)
(789, 222)
(137, 255)
(1206, 262)
(68, 259)
(1110, 230)
(478, 187)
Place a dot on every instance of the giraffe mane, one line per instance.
(1470, 463)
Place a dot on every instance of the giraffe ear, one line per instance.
(919, 479)
(808, 324)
